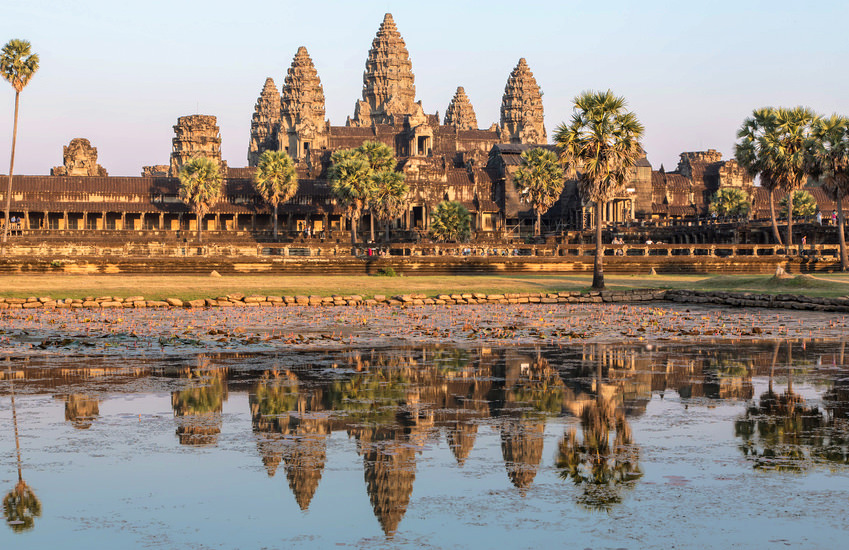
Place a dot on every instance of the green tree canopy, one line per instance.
(351, 184)
(275, 180)
(804, 204)
(389, 195)
(21, 507)
(602, 144)
(829, 162)
(539, 181)
(200, 186)
(379, 155)
(450, 221)
(730, 201)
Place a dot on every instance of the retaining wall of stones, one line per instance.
(736, 299)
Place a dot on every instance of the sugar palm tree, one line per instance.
(730, 201)
(772, 144)
(804, 204)
(389, 198)
(829, 162)
(275, 180)
(602, 144)
(450, 221)
(18, 64)
(380, 158)
(539, 181)
(200, 187)
(20, 505)
(351, 184)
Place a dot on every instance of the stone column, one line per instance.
(162, 220)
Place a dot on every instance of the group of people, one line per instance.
(14, 225)
(833, 217)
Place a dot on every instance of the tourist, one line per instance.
(819, 217)
(834, 217)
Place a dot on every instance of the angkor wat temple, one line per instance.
(447, 159)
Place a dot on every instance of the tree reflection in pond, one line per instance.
(198, 407)
(20, 505)
(604, 460)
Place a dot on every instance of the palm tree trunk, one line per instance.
(353, 234)
(789, 220)
(775, 232)
(598, 263)
(199, 217)
(371, 223)
(6, 227)
(538, 229)
(841, 237)
(15, 422)
(387, 231)
(274, 214)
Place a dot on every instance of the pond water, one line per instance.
(581, 446)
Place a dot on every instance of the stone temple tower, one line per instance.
(389, 90)
(460, 112)
(521, 108)
(302, 124)
(265, 122)
(195, 136)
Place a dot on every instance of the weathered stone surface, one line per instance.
(265, 122)
(460, 112)
(521, 107)
(389, 91)
(176, 302)
(303, 127)
(195, 136)
(79, 159)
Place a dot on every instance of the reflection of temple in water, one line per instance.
(521, 447)
(81, 410)
(197, 408)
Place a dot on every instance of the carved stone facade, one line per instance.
(265, 122)
(389, 90)
(79, 159)
(521, 107)
(460, 113)
(195, 136)
(302, 124)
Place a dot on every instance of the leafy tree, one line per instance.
(773, 144)
(275, 180)
(804, 204)
(18, 64)
(829, 162)
(730, 201)
(380, 158)
(200, 187)
(539, 181)
(389, 197)
(21, 507)
(351, 184)
(450, 221)
(602, 144)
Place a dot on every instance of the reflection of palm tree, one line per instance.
(605, 459)
(20, 505)
(198, 408)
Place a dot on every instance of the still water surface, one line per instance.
(595, 446)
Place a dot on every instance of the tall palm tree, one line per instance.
(389, 197)
(380, 157)
(18, 64)
(539, 181)
(275, 180)
(602, 143)
(200, 187)
(351, 184)
(773, 145)
(20, 505)
(829, 162)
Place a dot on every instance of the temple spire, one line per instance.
(521, 107)
(302, 108)
(460, 112)
(264, 122)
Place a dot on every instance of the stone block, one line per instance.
(176, 302)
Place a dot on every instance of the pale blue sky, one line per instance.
(121, 73)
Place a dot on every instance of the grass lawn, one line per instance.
(198, 286)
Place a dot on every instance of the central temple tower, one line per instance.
(389, 90)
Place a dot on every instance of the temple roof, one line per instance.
(302, 95)
(460, 112)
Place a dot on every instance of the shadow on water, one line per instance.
(396, 404)
(20, 505)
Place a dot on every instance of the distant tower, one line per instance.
(195, 136)
(389, 90)
(460, 112)
(265, 122)
(302, 124)
(521, 108)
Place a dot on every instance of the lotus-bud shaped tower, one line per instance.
(521, 108)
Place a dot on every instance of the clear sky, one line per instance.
(120, 73)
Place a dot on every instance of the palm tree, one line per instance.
(539, 181)
(351, 184)
(773, 145)
(829, 162)
(200, 187)
(389, 196)
(20, 505)
(380, 157)
(602, 144)
(804, 204)
(275, 180)
(17, 64)
(450, 221)
(730, 201)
